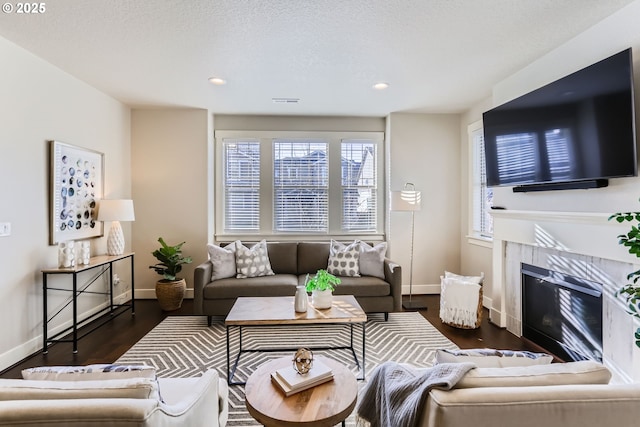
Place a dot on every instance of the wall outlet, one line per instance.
(116, 279)
(5, 229)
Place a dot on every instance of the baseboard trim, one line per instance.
(34, 345)
(421, 289)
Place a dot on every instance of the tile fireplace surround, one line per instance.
(580, 244)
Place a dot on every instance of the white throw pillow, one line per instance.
(371, 260)
(252, 262)
(343, 259)
(223, 261)
(89, 372)
(490, 358)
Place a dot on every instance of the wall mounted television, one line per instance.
(575, 132)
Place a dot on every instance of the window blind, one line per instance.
(359, 184)
(301, 185)
(482, 195)
(241, 185)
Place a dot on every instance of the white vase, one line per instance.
(301, 299)
(321, 299)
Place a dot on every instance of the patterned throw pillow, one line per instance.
(490, 358)
(252, 262)
(88, 372)
(344, 260)
(223, 261)
(372, 259)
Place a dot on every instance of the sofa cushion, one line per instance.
(223, 261)
(252, 262)
(283, 257)
(344, 259)
(89, 372)
(312, 256)
(372, 259)
(491, 358)
(583, 372)
(265, 286)
(367, 286)
(129, 388)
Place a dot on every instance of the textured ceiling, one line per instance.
(437, 55)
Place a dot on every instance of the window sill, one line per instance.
(485, 242)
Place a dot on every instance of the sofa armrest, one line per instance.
(195, 401)
(201, 276)
(393, 275)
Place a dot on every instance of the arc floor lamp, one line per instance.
(408, 200)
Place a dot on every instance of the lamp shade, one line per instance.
(116, 210)
(406, 200)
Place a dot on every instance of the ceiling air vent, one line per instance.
(285, 100)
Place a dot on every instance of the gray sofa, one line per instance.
(291, 262)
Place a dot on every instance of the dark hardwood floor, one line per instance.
(107, 343)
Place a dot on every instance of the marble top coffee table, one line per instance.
(279, 311)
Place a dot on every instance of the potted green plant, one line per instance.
(170, 289)
(631, 240)
(321, 286)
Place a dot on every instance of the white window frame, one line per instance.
(266, 228)
(474, 236)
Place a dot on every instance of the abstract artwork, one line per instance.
(76, 187)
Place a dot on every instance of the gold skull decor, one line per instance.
(303, 361)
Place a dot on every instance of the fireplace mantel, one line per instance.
(576, 243)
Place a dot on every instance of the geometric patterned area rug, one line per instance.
(184, 346)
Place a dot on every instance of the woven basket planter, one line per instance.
(170, 293)
(478, 319)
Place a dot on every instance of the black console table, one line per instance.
(105, 264)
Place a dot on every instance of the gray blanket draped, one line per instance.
(395, 393)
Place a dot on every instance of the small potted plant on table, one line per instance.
(321, 287)
(170, 289)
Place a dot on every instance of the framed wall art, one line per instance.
(77, 176)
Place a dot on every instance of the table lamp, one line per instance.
(115, 211)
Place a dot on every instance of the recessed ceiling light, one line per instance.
(380, 86)
(217, 81)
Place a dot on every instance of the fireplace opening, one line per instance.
(562, 313)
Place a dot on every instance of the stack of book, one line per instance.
(291, 382)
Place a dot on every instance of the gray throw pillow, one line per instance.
(372, 259)
(223, 261)
(343, 260)
(491, 358)
(252, 262)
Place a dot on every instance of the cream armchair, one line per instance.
(200, 401)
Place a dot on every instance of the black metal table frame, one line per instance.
(113, 309)
(231, 371)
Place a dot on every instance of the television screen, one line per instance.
(580, 127)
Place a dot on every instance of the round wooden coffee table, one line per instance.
(324, 405)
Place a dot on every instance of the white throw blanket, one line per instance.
(459, 302)
(395, 393)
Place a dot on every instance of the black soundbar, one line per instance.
(575, 185)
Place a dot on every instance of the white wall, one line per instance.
(610, 36)
(38, 103)
(615, 33)
(424, 149)
(172, 157)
